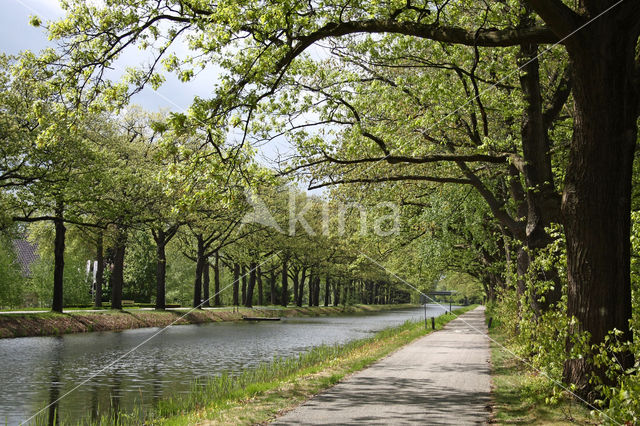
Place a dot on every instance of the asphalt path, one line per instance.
(442, 378)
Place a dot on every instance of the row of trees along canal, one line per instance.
(112, 181)
(505, 129)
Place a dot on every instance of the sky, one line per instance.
(17, 35)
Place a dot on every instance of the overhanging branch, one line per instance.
(421, 178)
(436, 32)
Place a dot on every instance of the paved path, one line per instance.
(442, 378)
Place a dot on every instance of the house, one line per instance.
(26, 255)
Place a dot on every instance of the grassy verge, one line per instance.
(519, 393)
(260, 394)
(53, 324)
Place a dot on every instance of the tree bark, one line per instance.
(161, 269)
(248, 301)
(58, 266)
(303, 277)
(284, 295)
(236, 284)
(312, 292)
(200, 265)
(162, 238)
(259, 282)
(336, 293)
(316, 291)
(117, 277)
(243, 270)
(327, 290)
(206, 280)
(543, 202)
(597, 196)
(216, 279)
(296, 283)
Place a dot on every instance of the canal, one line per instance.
(38, 370)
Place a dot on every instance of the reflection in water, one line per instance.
(38, 370)
(54, 394)
(156, 383)
(115, 394)
(54, 383)
(93, 391)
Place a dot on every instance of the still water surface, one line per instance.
(37, 370)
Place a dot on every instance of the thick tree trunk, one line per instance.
(206, 280)
(117, 274)
(236, 283)
(200, 265)
(248, 301)
(243, 270)
(543, 202)
(597, 196)
(488, 283)
(327, 290)
(97, 296)
(284, 295)
(303, 277)
(296, 283)
(312, 291)
(316, 291)
(216, 279)
(58, 266)
(259, 282)
(336, 292)
(161, 269)
(162, 238)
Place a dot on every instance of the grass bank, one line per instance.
(259, 395)
(520, 393)
(54, 324)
